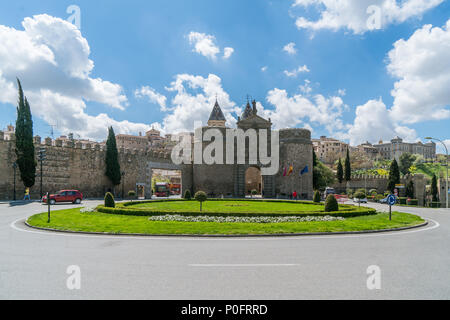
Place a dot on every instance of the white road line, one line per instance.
(242, 265)
(285, 238)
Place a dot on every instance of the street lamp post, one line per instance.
(446, 180)
(14, 167)
(42, 157)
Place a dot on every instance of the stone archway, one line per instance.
(253, 180)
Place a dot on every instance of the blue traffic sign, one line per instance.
(391, 200)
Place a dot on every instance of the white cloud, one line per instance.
(422, 65)
(204, 44)
(51, 57)
(227, 52)
(294, 111)
(290, 48)
(353, 15)
(306, 87)
(294, 73)
(374, 122)
(264, 69)
(152, 95)
(194, 100)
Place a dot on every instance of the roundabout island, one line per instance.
(223, 217)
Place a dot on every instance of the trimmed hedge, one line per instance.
(348, 213)
(435, 204)
(331, 204)
(412, 202)
(402, 200)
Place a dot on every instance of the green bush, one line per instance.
(201, 197)
(131, 193)
(435, 204)
(331, 204)
(317, 197)
(412, 202)
(187, 195)
(254, 193)
(109, 200)
(373, 192)
(360, 194)
(402, 200)
(379, 197)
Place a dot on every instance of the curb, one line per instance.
(229, 236)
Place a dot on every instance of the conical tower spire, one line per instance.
(217, 118)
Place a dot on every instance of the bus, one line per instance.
(175, 189)
(162, 190)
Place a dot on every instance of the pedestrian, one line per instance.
(27, 194)
(295, 195)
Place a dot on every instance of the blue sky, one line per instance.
(136, 44)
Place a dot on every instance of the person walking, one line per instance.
(27, 194)
(295, 195)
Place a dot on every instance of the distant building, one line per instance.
(127, 141)
(368, 149)
(395, 149)
(328, 150)
(9, 132)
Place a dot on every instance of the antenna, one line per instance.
(52, 129)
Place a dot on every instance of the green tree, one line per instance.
(187, 195)
(109, 200)
(322, 175)
(434, 189)
(348, 167)
(406, 161)
(24, 141)
(340, 172)
(201, 197)
(394, 176)
(410, 190)
(112, 159)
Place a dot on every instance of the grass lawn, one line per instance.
(229, 207)
(74, 220)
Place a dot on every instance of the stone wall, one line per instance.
(81, 167)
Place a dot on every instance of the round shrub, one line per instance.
(379, 197)
(131, 193)
(373, 192)
(187, 195)
(254, 192)
(109, 200)
(201, 197)
(360, 194)
(331, 204)
(317, 197)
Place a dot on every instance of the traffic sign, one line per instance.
(391, 200)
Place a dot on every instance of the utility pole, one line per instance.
(42, 157)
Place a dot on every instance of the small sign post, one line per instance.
(48, 206)
(391, 201)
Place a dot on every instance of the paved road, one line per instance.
(33, 264)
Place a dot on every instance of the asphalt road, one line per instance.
(33, 264)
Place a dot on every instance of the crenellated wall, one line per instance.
(80, 166)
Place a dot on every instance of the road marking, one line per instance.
(241, 265)
(268, 238)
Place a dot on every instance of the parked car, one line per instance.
(385, 200)
(328, 191)
(360, 200)
(73, 196)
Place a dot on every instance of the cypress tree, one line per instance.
(24, 141)
(340, 172)
(348, 167)
(394, 176)
(112, 159)
(434, 189)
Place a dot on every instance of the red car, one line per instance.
(73, 196)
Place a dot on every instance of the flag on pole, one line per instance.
(291, 169)
(305, 170)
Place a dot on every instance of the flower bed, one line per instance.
(233, 219)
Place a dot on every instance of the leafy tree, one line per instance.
(331, 204)
(410, 190)
(317, 197)
(24, 141)
(187, 195)
(201, 197)
(406, 162)
(112, 159)
(109, 200)
(340, 172)
(394, 176)
(348, 167)
(360, 194)
(322, 175)
(434, 189)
